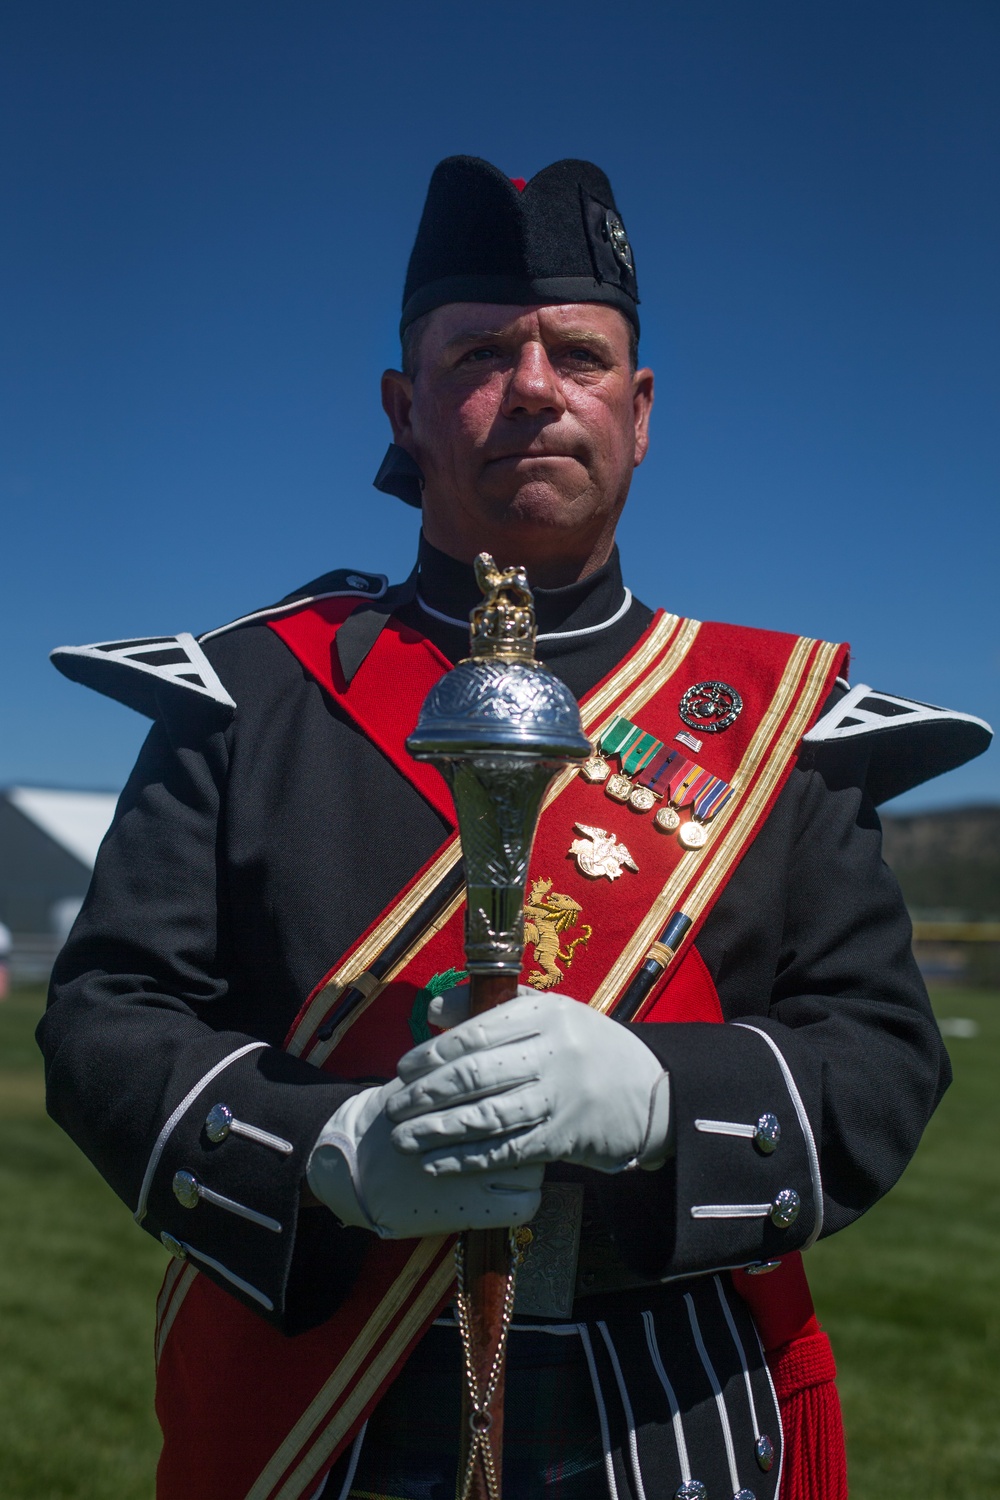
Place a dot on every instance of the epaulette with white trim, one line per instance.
(908, 742)
(137, 672)
(140, 672)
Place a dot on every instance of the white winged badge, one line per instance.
(603, 855)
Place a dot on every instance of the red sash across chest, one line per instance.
(292, 1405)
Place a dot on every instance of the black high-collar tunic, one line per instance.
(246, 856)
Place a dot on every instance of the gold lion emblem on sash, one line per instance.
(547, 915)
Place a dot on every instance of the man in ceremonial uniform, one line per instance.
(722, 1048)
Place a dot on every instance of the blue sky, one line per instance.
(208, 206)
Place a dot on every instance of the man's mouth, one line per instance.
(526, 456)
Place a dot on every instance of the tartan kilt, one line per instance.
(651, 1393)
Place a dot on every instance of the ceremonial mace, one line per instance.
(499, 726)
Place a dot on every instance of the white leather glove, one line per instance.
(362, 1178)
(541, 1078)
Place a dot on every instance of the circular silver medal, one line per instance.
(667, 820)
(642, 799)
(710, 707)
(693, 835)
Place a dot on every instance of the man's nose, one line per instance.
(533, 386)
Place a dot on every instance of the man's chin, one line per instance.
(538, 505)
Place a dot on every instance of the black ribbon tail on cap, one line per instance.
(400, 475)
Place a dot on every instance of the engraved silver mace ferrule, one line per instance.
(499, 726)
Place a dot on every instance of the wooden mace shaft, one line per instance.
(487, 1265)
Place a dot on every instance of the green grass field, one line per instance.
(911, 1297)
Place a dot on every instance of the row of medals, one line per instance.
(620, 788)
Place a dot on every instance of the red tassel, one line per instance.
(815, 1462)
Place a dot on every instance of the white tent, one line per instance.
(76, 820)
(49, 838)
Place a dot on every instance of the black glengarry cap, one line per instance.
(484, 237)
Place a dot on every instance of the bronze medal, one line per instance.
(619, 787)
(642, 799)
(668, 819)
(693, 835)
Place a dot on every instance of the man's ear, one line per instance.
(397, 399)
(642, 405)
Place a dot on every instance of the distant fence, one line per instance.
(32, 955)
(959, 952)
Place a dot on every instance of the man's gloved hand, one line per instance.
(362, 1178)
(541, 1078)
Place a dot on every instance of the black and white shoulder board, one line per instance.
(138, 672)
(908, 742)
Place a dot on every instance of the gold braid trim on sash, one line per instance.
(359, 961)
(666, 642)
(695, 878)
(352, 1375)
(761, 767)
(666, 647)
(699, 876)
(593, 710)
(378, 1372)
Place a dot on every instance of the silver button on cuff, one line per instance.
(220, 1122)
(693, 1489)
(767, 1134)
(175, 1247)
(785, 1208)
(744, 1495)
(187, 1189)
(189, 1192)
(763, 1451)
(762, 1267)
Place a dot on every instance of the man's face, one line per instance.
(527, 423)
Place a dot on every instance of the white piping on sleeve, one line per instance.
(217, 1265)
(261, 1137)
(633, 1446)
(668, 1391)
(734, 1331)
(546, 635)
(730, 1210)
(804, 1126)
(209, 1195)
(602, 1411)
(720, 1400)
(171, 1124)
(725, 1127)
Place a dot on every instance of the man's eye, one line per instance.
(477, 356)
(582, 356)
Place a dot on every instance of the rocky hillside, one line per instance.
(947, 862)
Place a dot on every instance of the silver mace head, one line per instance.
(499, 726)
